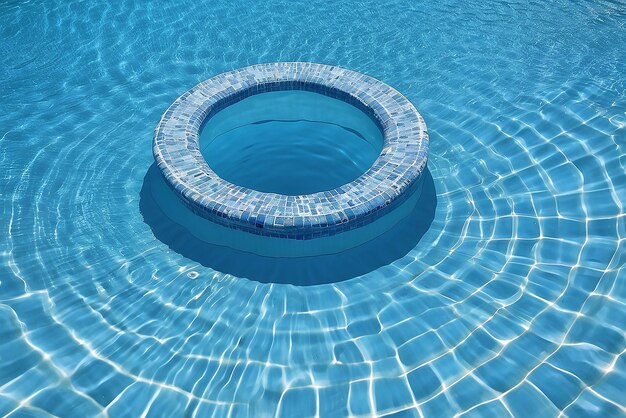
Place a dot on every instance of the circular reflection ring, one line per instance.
(381, 188)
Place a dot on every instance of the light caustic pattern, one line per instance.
(512, 304)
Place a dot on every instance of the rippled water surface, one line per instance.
(513, 303)
(285, 142)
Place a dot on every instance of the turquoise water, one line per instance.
(512, 303)
(290, 142)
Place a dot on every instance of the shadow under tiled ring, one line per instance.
(383, 187)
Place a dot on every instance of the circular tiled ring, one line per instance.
(382, 187)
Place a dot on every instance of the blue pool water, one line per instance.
(290, 142)
(511, 303)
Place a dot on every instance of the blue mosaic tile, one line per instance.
(399, 167)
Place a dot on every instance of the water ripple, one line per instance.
(513, 303)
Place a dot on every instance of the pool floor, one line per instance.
(512, 303)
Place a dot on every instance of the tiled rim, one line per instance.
(176, 149)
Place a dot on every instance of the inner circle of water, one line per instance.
(512, 304)
(290, 142)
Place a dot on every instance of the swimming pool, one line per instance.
(315, 216)
(309, 142)
(509, 301)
